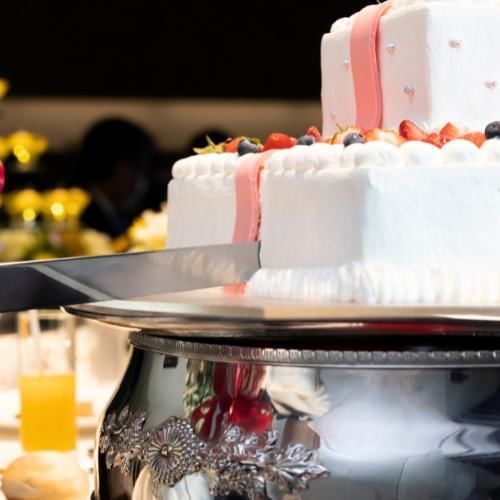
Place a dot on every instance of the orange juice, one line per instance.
(48, 412)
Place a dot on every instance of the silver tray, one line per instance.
(211, 313)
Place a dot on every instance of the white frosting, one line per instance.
(460, 152)
(490, 152)
(213, 163)
(449, 81)
(372, 284)
(383, 154)
(202, 200)
(328, 207)
(421, 154)
(374, 154)
(391, 216)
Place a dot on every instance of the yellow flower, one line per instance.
(27, 147)
(149, 231)
(95, 243)
(25, 204)
(55, 204)
(15, 244)
(77, 202)
(62, 204)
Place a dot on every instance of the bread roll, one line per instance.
(45, 476)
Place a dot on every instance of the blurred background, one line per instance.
(107, 95)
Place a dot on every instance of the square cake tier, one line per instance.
(439, 62)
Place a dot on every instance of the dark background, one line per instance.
(166, 48)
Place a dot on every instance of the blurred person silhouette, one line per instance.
(114, 165)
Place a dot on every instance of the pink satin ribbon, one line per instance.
(248, 210)
(365, 67)
(247, 224)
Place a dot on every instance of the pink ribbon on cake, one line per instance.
(365, 67)
(248, 211)
(247, 224)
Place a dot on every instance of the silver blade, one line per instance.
(59, 282)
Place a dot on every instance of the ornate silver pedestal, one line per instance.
(398, 407)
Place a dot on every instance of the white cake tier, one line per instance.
(202, 200)
(372, 284)
(369, 223)
(439, 61)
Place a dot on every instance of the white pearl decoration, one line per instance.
(346, 63)
(391, 48)
(490, 84)
(455, 44)
(409, 90)
(333, 115)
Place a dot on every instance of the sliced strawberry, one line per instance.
(378, 134)
(450, 132)
(435, 139)
(478, 138)
(231, 146)
(411, 132)
(279, 141)
(314, 132)
(339, 137)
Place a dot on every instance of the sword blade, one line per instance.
(60, 282)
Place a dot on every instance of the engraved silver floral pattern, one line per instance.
(121, 438)
(237, 462)
(172, 451)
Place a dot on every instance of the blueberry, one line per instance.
(493, 131)
(353, 138)
(306, 140)
(245, 147)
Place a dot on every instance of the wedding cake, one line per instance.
(398, 200)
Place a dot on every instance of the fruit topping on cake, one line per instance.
(353, 138)
(211, 147)
(279, 141)
(306, 140)
(451, 132)
(389, 136)
(231, 145)
(492, 130)
(339, 137)
(246, 146)
(347, 136)
(478, 138)
(411, 132)
(314, 132)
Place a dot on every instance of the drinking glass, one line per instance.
(47, 380)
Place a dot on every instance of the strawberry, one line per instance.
(450, 132)
(339, 137)
(314, 132)
(279, 141)
(409, 131)
(435, 139)
(231, 145)
(478, 138)
(378, 134)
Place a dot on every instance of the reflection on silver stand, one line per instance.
(366, 415)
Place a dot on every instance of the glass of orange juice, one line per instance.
(47, 380)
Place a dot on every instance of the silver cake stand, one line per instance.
(235, 398)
